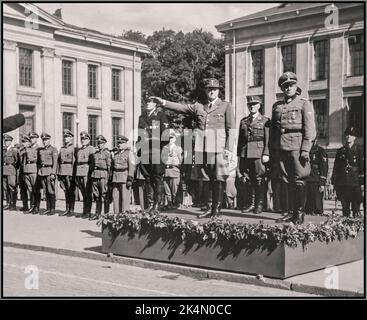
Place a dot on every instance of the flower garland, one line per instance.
(261, 235)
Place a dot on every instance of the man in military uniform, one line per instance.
(101, 168)
(253, 153)
(317, 179)
(123, 168)
(214, 139)
(65, 171)
(22, 184)
(292, 133)
(29, 168)
(172, 158)
(348, 173)
(47, 170)
(10, 165)
(83, 171)
(152, 123)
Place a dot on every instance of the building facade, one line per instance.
(323, 43)
(66, 77)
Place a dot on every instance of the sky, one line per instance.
(113, 18)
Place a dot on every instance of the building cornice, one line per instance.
(308, 35)
(9, 45)
(314, 9)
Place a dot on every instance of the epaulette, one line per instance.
(277, 103)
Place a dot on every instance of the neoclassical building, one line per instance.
(63, 76)
(323, 43)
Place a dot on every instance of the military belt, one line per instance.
(120, 170)
(46, 165)
(171, 166)
(64, 162)
(98, 168)
(283, 131)
(30, 162)
(256, 139)
(84, 162)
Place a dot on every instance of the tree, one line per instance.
(132, 35)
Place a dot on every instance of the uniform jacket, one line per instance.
(83, 160)
(172, 159)
(253, 137)
(123, 166)
(11, 161)
(101, 164)
(151, 127)
(47, 161)
(29, 159)
(297, 114)
(319, 164)
(215, 125)
(348, 166)
(66, 160)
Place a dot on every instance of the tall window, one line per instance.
(116, 129)
(92, 81)
(116, 84)
(92, 129)
(67, 121)
(257, 67)
(25, 67)
(321, 115)
(356, 113)
(67, 77)
(289, 58)
(321, 60)
(356, 51)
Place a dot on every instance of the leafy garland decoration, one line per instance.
(334, 228)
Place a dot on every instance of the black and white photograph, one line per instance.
(164, 151)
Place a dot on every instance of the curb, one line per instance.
(193, 272)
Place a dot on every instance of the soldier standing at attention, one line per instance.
(29, 163)
(123, 168)
(101, 167)
(348, 173)
(253, 153)
(83, 171)
(47, 169)
(10, 166)
(26, 142)
(172, 158)
(65, 172)
(317, 179)
(292, 133)
(152, 123)
(214, 139)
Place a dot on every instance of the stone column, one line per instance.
(57, 101)
(106, 129)
(335, 92)
(270, 83)
(82, 94)
(10, 78)
(137, 98)
(241, 86)
(129, 96)
(302, 66)
(49, 122)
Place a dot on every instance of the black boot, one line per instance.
(98, 210)
(48, 205)
(52, 204)
(13, 201)
(259, 197)
(209, 197)
(66, 212)
(208, 211)
(251, 205)
(159, 196)
(71, 205)
(301, 196)
(107, 205)
(217, 198)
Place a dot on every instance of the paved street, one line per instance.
(68, 276)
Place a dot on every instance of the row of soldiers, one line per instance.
(94, 171)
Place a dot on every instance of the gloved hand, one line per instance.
(157, 100)
(265, 159)
(304, 157)
(129, 182)
(52, 177)
(322, 189)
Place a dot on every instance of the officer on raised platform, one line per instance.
(348, 173)
(292, 133)
(253, 153)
